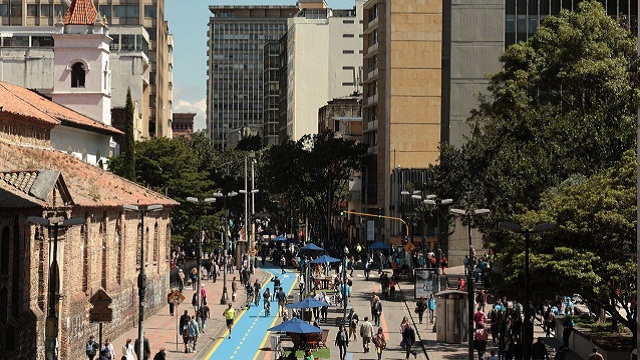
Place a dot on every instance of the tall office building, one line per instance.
(235, 84)
(148, 13)
(324, 60)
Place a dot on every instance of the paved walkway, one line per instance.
(160, 328)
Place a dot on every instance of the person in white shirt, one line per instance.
(128, 351)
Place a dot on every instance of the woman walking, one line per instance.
(380, 342)
(342, 341)
(128, 351)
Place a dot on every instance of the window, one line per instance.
(347, 51)
(128, 42)
(59, 9)
(77, 75)
(347, 21)
(347, 35)
(42, 41)
(32, 10)
(150, 11)
(46, 10)
(4, 252)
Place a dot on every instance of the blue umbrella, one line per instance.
(296, 326)
(311, 246)
(307, 304)
(324, 259)
(379, 245)
(291, 241)
(279, 238)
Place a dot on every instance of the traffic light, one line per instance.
(341, 210)
(379, 212)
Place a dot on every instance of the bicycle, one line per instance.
(267, 309)
(249, 299)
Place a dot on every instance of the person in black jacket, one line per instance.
(409, 338)
(147, 348)
(342, 341)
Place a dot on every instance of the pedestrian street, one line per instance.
(249, 332)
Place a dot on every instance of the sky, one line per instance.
(188, 20)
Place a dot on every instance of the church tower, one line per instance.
(82, 79)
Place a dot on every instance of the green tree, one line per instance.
(592, 253)
(311, 175)
(129, 170)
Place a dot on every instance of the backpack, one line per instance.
(91, 348)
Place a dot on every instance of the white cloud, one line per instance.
(198, 106)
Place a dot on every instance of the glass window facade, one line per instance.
(523, 17)
(237, 74)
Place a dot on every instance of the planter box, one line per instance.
(581, 344)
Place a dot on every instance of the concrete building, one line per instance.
(183, 124)
(271, 60)
(235, 86)
(343, 115)
(148, 13)
(324, 58)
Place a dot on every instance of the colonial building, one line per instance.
(42, 300)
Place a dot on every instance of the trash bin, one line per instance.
(275, 339)
(452, 317)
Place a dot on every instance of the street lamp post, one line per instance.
(142, 276)
(417, 195)
(201, 204)
(51, 328)
(435, 201)
(527, 331)
(225, 296)
(469, 214)
(249, 206)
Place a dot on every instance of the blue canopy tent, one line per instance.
(324, 259)
(312, 247)
(296, 326)
(307, 303)
(279, 238)
(379, 245)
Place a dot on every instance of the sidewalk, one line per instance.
(160, 328)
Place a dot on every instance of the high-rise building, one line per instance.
(324, 59)
(235, 84)
(149, 13)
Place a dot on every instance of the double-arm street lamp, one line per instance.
(225, 296)
(528, 324)
(201, 204)
(469, 214)
(142, 276)
(51, 328)
(434, 200)
(249, 234)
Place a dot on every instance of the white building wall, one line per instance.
(319, 51)
(94, 100)
(87, 146)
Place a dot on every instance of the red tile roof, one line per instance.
(23, 102)
(88, 185)
(80, 12)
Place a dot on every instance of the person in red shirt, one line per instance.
(461, 284)
(479, 318)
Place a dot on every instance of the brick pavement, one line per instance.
(160, 328)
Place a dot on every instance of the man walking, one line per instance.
(282, 301)
(595, 355)
(229, 313)
(409, 338)
(366, 332)
(376, 311)
(92, 347)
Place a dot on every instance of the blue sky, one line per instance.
(188, 21)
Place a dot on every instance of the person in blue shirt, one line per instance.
(432, 307)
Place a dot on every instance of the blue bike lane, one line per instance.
(250, 332)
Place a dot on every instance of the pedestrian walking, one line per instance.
(568, 329)
(91, 347)
(376, 310)
(366, 333)
(409, 338)
(480, 337)
(432, 307)
(185, 332)
(203, 294)
(146, 348)
(194, 278)
(421, 307)
(595, 355)
(282, 301)
(128, 352)
(204, 315)
(380, 342)
(353, 324)
(181, 279)
(234, 289)
(108, 348)
(194, 301)
(481, 299)
(184, 320)
(342, 341)
(160, 355)
(194, 332)
(539, 351)
(283, 262)
(229, 313)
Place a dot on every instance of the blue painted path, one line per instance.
(250, 327)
